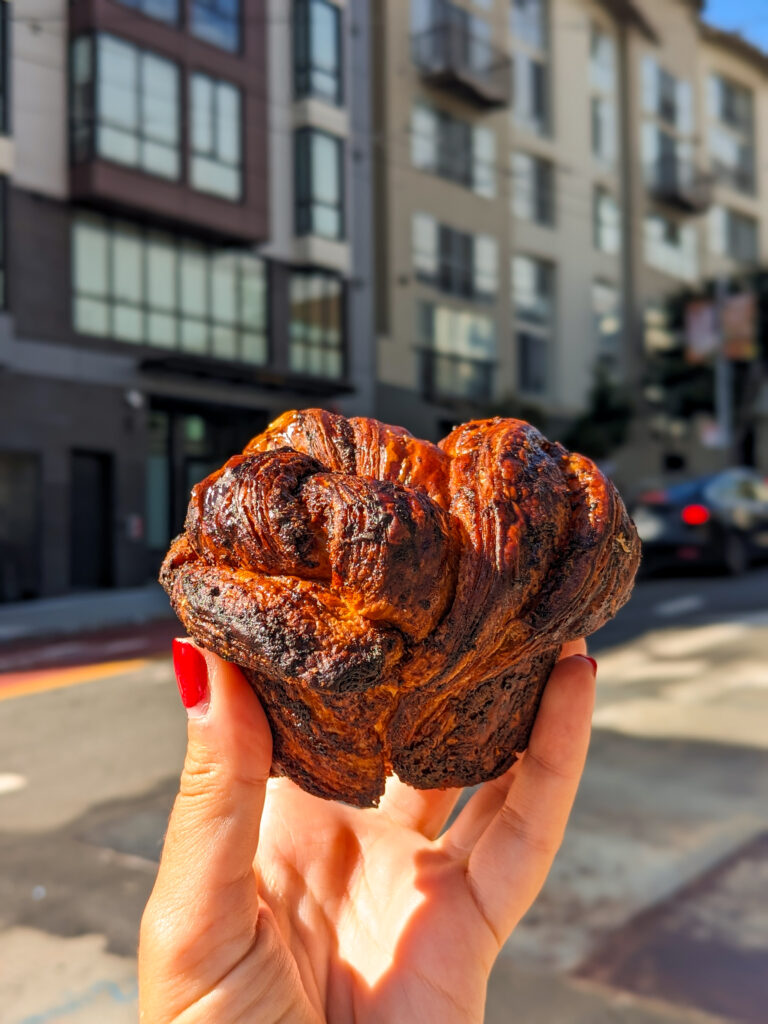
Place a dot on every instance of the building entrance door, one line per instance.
(91, 522)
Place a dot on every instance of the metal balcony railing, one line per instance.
(450, 56)
(446, 377)
(680, 183)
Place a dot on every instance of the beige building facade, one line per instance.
(547, 172)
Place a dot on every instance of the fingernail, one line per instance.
(191, 675)
(592, 662)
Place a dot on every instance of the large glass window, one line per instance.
(533, 295)
(606, 311)
(533, 289)
(454, 149)
(667, 98)
(603, 117)
(5, 114)
(531, 93)
(732, 133)
(607, 222)
(151, 288)
(216, 152)
(532, 362)
(734, 235)
(317, 324)
(671, 247)
(319, 184)
(3, 208)
(161, 10)
(124, 105)
(533, 189)
(454, 261)
(529, 22)
(318, 50)
(458, 352)
(216, 22)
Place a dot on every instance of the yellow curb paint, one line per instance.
(26, 683)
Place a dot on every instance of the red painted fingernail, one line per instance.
(191, 673)
(592, 662)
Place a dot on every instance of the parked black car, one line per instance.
(719, 521)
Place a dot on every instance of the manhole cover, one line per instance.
(706, 947)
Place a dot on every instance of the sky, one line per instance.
(750, 17)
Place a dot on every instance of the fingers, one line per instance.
(573, 647)
(206, 884)
(424, 810)
(514, 851)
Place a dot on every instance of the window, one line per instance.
(151, 288)
(607, 222)
(528, 20)
(667, 98)
(317, 321)
(532, 362)
(216, 157)
(161, 10)
(216, 22)
(606, 311)
(458, 352)
(124, 106)
(603, 115)
(317, 50)
(454, 261)
(602, 60)
(731, 133)
(733, 234)
(732, 104)
(531, 100)
(671, 247)
(533, 189)
(533, 287)
(319, 184)
(454, 149)
(667, 159)
(533, 295)
(3, 229)
(5, 113)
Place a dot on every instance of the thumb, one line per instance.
(213, 832)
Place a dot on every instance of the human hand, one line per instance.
(273, 906)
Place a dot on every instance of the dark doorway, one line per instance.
(186, 442)
(91, 521)
(19, 526)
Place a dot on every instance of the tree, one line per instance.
(605, 425)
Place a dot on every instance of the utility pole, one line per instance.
(723, 375)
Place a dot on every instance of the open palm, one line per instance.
(275, 906)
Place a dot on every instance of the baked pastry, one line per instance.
(397, 605)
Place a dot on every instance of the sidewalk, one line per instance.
(81, 614)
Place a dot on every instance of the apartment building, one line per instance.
(500, 282)
(550, 173)
(188, 253)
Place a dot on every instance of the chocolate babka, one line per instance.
(397, 605)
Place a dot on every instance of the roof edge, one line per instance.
(736, 43)
(626, 10)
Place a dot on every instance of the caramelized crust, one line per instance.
(396, 605)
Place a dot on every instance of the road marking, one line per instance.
(679, 606)
(21, 684)
(692, 640)
(11, 783)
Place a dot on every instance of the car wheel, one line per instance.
(735, 554)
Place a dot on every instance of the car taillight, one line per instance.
(695, 515)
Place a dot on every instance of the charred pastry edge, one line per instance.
(602, 587)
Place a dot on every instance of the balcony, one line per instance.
(449, 56)
(680, 184)
(450, 378)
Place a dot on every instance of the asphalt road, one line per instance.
(655, 911)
